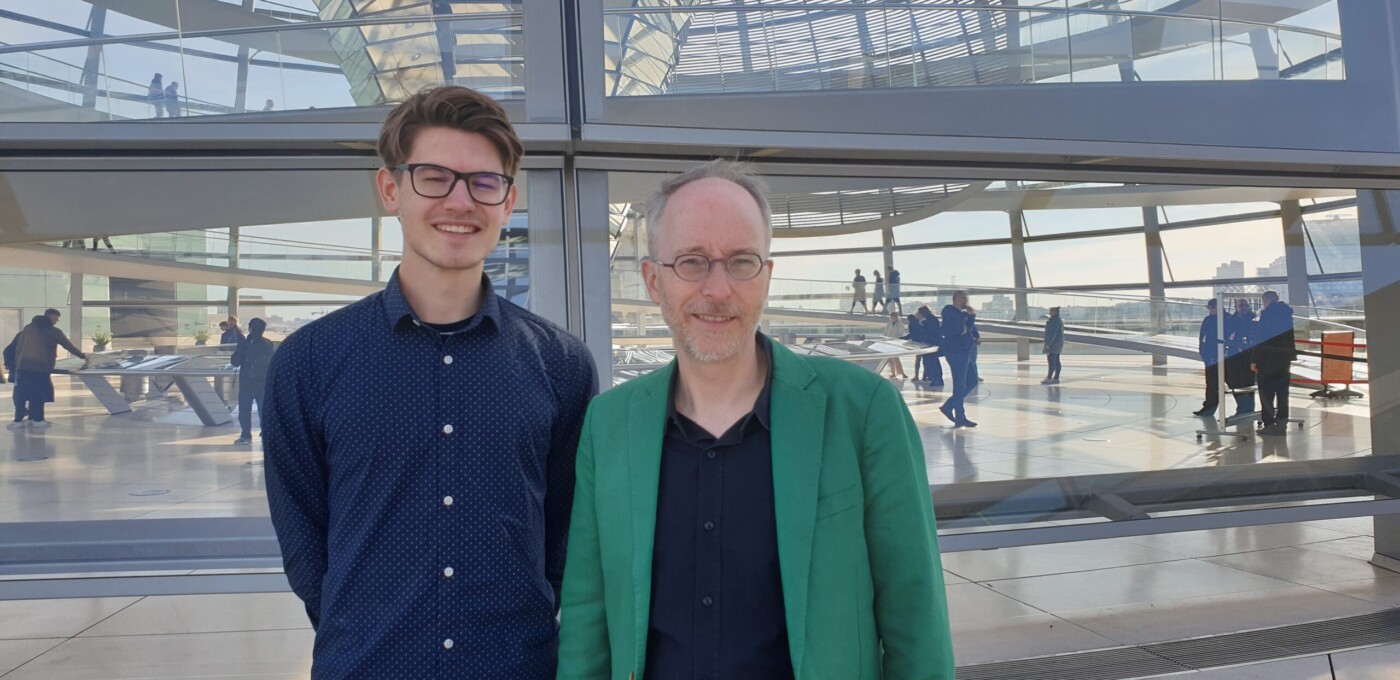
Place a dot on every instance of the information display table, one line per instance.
(191, 373)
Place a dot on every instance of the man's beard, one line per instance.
(690, 343)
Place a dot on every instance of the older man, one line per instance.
(745, 512)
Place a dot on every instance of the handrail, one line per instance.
(251, 30)
(868, 6)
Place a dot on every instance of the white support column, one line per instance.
(1380, 276)
(1295, 254)
(1020, 275)
(887, 248)
(376, 248)
(233, 258)
(1156, 279)
(75, 308)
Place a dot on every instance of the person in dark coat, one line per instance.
(1273, 351)
(932, 335)
(36, 352)
(1239, 332)
(172, 99)
(1054, 346)
(229, 332)
(253, 355)
(957, 351)
(1208, 343)
(155, 93)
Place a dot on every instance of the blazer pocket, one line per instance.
(839, 502)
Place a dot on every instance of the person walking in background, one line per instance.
(252, 357)
(172, 99)
(957, 351)
(892, 283)
(1239, 335)
(230, 333)
(36, 351)
(105, 239)
(1054, 346)
(1274, 349)
(896, 329)
(879, 300)
(932, 334)
(858, 286)
(155, 94)
(1207, 343)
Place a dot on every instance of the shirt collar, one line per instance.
(761, 406)
(396, 306)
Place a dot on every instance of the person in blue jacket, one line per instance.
(1239, 340)
(932, 335)
(1207, 342)
(957, 351)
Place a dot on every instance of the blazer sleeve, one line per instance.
(911, 606)
(584, 652)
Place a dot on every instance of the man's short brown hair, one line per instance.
(455, 108)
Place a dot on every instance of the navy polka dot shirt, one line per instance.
(420, 482)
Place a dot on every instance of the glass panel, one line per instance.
(127, 442)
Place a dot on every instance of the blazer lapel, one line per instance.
(799, 421)
(647, 416)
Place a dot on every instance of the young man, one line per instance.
(1274, 351)
(420, 443)
(36, 352)
(745, 512)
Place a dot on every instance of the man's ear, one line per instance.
(650, 271)
(388, 189)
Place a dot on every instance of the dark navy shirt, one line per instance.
(420, 483)
(716, 590)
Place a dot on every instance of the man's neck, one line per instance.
(716, 394)
(440, 295)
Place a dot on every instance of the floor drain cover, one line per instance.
(1093, 439)
(30, 459)
(150, 492)
(254, 462)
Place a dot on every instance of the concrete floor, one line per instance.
(1109, 414)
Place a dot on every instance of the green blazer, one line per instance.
(857, 548)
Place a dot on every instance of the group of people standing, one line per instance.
(1258, 354)
(956, 335)
(883, 299)
(164, 98)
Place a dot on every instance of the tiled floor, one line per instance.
(1109, 414)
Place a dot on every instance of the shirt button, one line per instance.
(707, 601)
(709, 526)
(447, 644)
(447, 500)
(447, 429)
(710, 454)
(447, 359)
(447, 572)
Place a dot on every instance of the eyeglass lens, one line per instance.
(740, 267)
(431, 181)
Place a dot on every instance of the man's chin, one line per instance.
(709, 348)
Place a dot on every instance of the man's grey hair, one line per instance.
(737, 172)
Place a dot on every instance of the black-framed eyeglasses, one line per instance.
(435, 181)
(740, 267)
